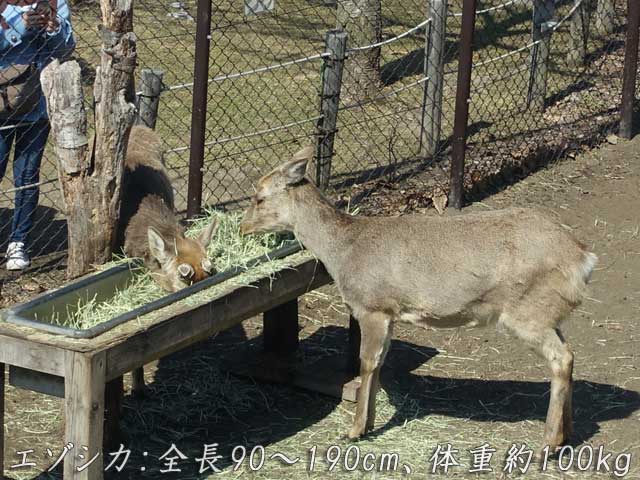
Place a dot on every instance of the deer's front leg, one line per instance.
(376, 328)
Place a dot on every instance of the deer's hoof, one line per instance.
(354, 434)
(551, 447)
(347, 438)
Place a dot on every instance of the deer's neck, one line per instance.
(321, 228)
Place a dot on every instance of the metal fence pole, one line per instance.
(336, 47)
(433, 69)
(463, 88)
(199, 107)
(630, 70)
(543, 12)
(149, 98)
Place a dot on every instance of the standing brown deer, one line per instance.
(515, 268)
(149, 228)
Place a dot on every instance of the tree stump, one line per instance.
(91, 171)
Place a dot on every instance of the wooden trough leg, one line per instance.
(137, 382)
(330, 376)
(1, 420)
(280, 332)
(353, 356)
(113, 396)
(350, 388)
(84, 383)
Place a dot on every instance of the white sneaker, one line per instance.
(17, 258)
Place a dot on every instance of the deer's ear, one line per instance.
(295, 168)
(157, 245)
(207, 234)
(305, 154)
(207, 266)
(186, 271)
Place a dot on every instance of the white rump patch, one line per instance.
(590, 260)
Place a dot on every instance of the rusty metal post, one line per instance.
(199, 107)
(630, 70)
(459, 144)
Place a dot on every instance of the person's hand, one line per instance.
(35, 20)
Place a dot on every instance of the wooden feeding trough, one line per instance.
(84, 365)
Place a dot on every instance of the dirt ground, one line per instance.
(463, 387)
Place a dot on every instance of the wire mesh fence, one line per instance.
(545, 84)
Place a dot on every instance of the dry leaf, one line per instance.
(32, 286)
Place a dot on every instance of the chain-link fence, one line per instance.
(545, 83)
(379, 103)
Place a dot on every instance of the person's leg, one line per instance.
(29, 148)
(6, 139)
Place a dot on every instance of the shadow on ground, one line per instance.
(192, 402)
(48, 235)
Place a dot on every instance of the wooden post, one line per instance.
(605, 17)
(91, 172)
(434, 70)
(137, 382)
(630, 70)
(280, 332)
(336, 47)
(578, 40)
(543, 12)
(84, 414)
(149, 98)
(2, 380)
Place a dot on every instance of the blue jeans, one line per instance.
(30, 140)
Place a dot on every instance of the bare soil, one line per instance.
(464, 386)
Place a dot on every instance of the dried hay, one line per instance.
(228, 250)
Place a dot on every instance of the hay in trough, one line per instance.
(228, 250)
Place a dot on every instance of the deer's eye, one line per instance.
(259, 201)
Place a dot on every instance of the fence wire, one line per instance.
(546, 81)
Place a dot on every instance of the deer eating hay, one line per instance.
(149, 227)
(515, 268)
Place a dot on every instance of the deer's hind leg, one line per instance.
(547, 341)
(376, 331)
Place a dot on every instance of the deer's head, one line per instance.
(183, 261)
(270, 208)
